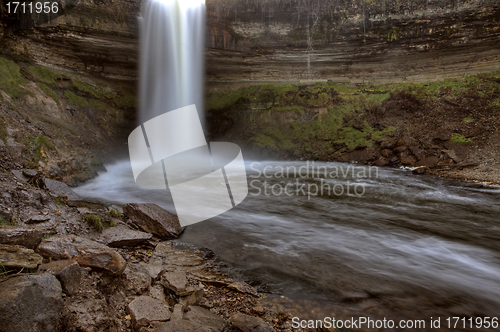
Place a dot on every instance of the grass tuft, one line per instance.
(11, 78)
(98, 222)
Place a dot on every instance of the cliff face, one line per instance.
(360, 43)
(354, 41)
(92, 37)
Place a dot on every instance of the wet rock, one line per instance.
(153, 219)
(428, 162)
(68, 272)
(145, 310)
(59, 188)
(243, 287)
(167, 253)
(246, 323)
(409, 160)
(30, 173)
(386, 153)
(20, 176)
(18, 257)
(84, 251)
(154, 270)
(181, 325)
(420, 170)
(85, 204)
(177, 282)
(30, 303)
(452, 155)
(205, 318)
(400, 149)
(26, 236)
(122, 236)
(137, 279)
(381, 162)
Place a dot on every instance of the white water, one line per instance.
(172, 52)
(406, 232)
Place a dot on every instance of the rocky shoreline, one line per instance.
(72, 265)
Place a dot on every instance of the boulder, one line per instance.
(68, 272)
(153, 219)
(18, 257)
(31, 173)
(27, 236)
(122, 236)
(205, 318)
(30, 303)
(428, 162)
(137, 279)
(243, 287)
(145, 310)
(84, 251)
(246, 323)
(381, 162)
(409, 160)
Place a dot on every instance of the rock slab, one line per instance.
(29, 237)
(248, 323)
(145, 309)
(84, 251)
(122, 236)
(30, 303)
(18, 257)
(153, 219)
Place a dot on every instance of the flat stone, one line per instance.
(145, 309)
(19, 175)
(68, 272)
(37, 219)
(30, 303)
(18, 257)
(248, 323)
(243, 287)
(153, 219)
(26, 236)
(137, 279)
(60, 189)
(83, 210)
(205, 318)
(84, 251)
(166, 253)
(122, 236)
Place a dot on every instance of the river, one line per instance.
(378, 242)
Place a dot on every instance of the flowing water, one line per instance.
(395, 244)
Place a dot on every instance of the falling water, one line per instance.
(172, 41)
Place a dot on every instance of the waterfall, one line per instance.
(171, 65)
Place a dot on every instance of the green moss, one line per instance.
(86, 88)
(457, 138)
(59, 201)
(467, 120)
(114, 213)
(11, 78)
(38, 146)
(4, 222)
(75, 100)
(97, 222)
(97, 104)
(128, 100)
(45, 75)
(49, 92)
(3, 130)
